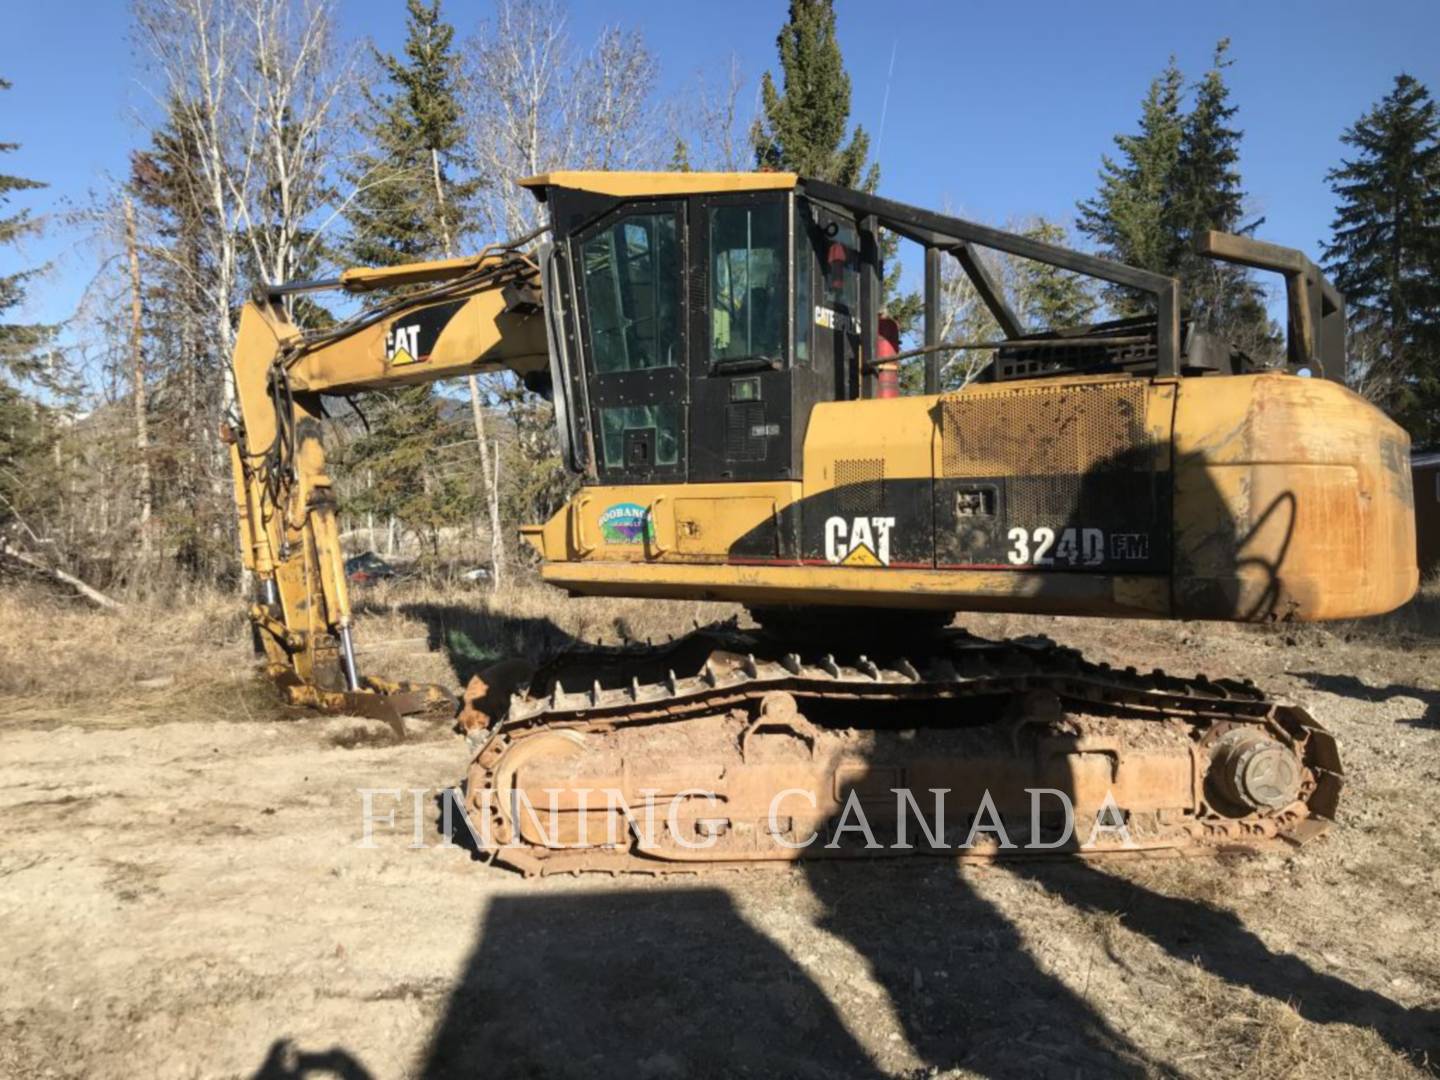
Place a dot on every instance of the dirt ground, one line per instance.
(183, 890)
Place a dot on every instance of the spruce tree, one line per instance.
(411, 478)
(1049, 298)
(178, 279)
(1384, 254)
(416, 187)
(1177, 177)
(20, 343)
(802, 127)
(1221, 297)
(414, 202)
(26, 428)
(1132, 218)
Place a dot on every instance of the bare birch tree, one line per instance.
(709, 126)
(139, 395)
(197, 52)
(290, 100)
(536, 103)
(248, 95)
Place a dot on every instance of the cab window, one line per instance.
(640, 436)
(632, 285)
(804, 259)
(748, 305)
(842, 275)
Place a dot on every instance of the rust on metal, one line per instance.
(758, 756)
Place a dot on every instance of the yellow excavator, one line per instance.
(724, 381)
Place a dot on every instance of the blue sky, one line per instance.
(994, 109)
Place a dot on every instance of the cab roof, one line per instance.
(639, 184)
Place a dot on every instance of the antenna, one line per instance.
(885, 101)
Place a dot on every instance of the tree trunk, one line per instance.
(370, 514)
(89, 592)
(440, 202)
(144, 490)
(492, 482)
(477, 414)
(497, 543)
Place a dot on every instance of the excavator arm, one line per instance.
(457, 317)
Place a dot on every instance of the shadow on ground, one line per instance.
(473, 638)
(669, 983)
(1218, 941)
(1352, 687)
(676, 983)
(286, 1062)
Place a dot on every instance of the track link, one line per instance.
(1253, 771)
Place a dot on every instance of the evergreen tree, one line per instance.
(185, 395)
(1047, 297)
(27, 429)
(1384, 254)
(1132, 218)
(402, 456)
(415, 188)
(802, 127)
(20, 343)
(414, 202)
(1222, 297)
(1175, 178)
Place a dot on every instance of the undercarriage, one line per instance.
(725, 748)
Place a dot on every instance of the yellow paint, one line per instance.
(703, 524)
(1292, 500)
(692, 522)
(930, 590)
(861, 556)
(662, 185)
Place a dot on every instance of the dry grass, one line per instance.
(189, 658)
(1264, 1039)
(191, 652)
(1417, 622)
(192, 656)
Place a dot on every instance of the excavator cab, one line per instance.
(693, 334)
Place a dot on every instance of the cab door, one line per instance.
(629, 268)
(740, 360)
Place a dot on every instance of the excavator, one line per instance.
(725, 385)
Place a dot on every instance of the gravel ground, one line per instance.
(185, 893)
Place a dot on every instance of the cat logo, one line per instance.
(861, 541)
(402, 345)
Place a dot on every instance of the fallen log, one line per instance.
(89, 592)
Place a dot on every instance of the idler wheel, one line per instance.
(1253, 771)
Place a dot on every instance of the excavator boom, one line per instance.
(477, 314)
